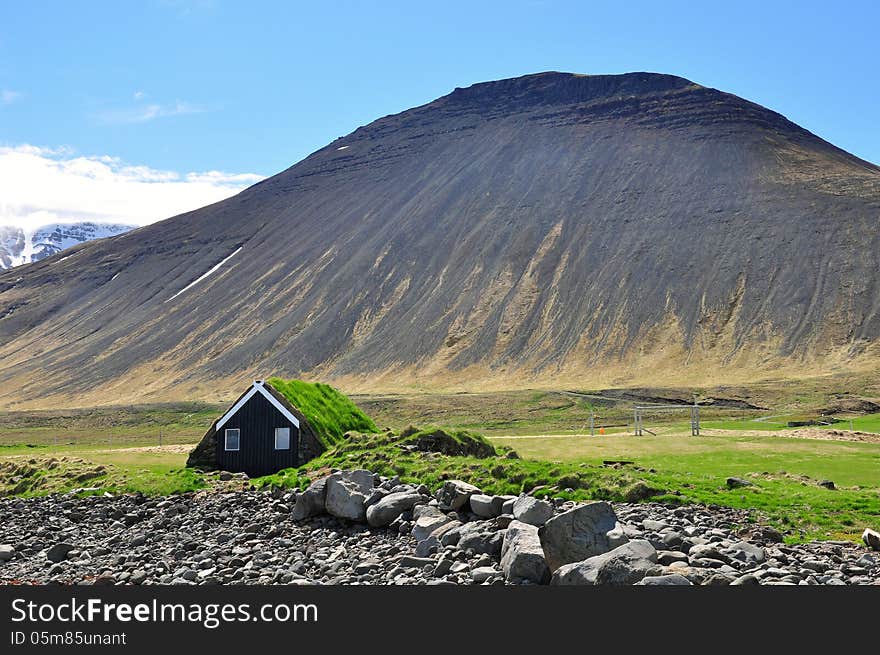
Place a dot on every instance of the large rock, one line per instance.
(871, 539)
(391, 506)
(58, 552)
(745, 580)
(427, 546)
(479, 538)
(427, 520)
(347, 492)
(628, 564)
(522, 557)
(531, 510)
(672, 579)
(311, 501)
(447, 534)
(582, 532)
(455, 494)
(487, 507)
(410, 562)
(6, 552)
(624, 565)
(706, 551)
(375, 496)
(747, 552)
(483, 573)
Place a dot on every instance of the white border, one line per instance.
(258, 386)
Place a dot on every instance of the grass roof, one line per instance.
(329, 412)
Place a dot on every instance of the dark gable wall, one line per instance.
(257, 420)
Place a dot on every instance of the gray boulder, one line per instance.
(746, 552)
(427, 546)
(347, 492)
(410, 562)
(667, 557)
(522, 557)
(448, 533)
(390, 507)
(483, 573)
(582, 532)
(706, 551)
(6, 552)
(455, 494)
(487, 507)
(138, 576)
(736, 483)
(311, 501)
(871, 539)
(427, 520)
(375, 496)
(745, 580)
(866, 560)
(58, 552)
(625, 565)
(480, 539)
(531, 510)
(673, 579)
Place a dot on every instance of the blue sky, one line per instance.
(187, 87)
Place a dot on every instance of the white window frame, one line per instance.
(226, 440)
(288, 439)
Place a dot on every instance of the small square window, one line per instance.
(233, 437)
(282, 438)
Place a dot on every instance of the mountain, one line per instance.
(553, 229)
(19, 246)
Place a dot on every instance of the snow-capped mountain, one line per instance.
(21, 246)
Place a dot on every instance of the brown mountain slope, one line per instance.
(548, 229)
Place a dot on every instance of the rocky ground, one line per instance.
(357, 528)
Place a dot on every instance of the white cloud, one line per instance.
(143, 113)
(139, 95)
(52, 185)
(7, 97)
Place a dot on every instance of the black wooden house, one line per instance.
(262, 432)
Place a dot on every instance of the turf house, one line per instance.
(277, 424)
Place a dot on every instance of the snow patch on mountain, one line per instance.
(202, 277)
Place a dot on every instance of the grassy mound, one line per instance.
(43, 474)
(330, 412)
(496, 473)
(451, 442)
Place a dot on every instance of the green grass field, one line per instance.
(744, 425)
(137, 425)
(785, 473)
(866, 423)
(37, 470)
(116, 449)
